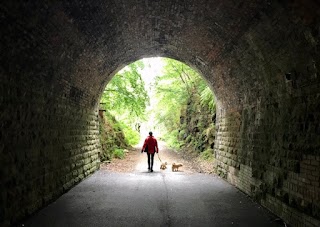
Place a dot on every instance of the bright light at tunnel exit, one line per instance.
(153, 67)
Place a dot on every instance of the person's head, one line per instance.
(150, 133)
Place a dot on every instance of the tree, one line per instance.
(174, 89)
(125, 96)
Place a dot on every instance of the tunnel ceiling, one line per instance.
(79, 45)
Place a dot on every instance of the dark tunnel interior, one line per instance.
(261, 58)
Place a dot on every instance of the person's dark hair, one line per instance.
(150, 133)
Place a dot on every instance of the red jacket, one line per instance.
(152, 144)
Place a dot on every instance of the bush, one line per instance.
(207, 155)
(111, 137)
(132, 136)
(172, 139)
(118, 153)
(188, 139)
(105, 155)
(182, 134)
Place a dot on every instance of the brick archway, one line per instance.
(261, 58)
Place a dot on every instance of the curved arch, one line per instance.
(56, 55)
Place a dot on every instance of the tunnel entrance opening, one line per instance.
(160, 95)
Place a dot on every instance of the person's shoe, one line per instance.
(151, 170)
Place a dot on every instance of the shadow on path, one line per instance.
(161, 198)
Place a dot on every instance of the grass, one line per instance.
(118, 153)
(207, 155)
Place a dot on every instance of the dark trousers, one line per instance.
(150, 160)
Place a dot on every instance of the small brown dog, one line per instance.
(175, 166)
(163, 165)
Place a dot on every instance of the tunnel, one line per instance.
(261, 58)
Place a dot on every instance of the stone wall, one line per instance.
(269, 145)
(49, 126)
(46, 148)
(278, 169)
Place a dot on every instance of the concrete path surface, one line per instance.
(152, 199)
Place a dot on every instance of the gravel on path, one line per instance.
(135, 161)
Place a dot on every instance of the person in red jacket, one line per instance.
(151, 144)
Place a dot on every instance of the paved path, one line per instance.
(161, 198)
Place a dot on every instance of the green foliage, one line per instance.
(182, 134)
(118, 153)
(132, 136)
(180, 91)
(189, 139)
(207, 99)
(174, 89)
(207, 155)
(125, 100)
(172, 141)
(111, 136)
(125, 95)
